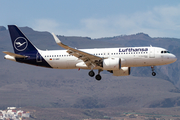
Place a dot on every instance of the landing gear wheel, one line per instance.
(153, 74)
(91, 73)
(98, 77)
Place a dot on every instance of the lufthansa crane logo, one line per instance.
(20, 44)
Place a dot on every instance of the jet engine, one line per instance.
(112, 64)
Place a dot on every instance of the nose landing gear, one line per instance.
(153, 73)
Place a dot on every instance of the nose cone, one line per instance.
(173, 58)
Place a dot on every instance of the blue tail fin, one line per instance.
(23, 47)
(20, 42)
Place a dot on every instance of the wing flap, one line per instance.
(14, 55)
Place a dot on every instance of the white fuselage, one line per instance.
(130, 57)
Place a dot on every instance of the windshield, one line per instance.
(165, 52)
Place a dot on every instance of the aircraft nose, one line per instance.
(173, 58)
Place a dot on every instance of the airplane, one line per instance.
(117, 61)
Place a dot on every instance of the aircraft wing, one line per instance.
(89, 59)
(14, 55)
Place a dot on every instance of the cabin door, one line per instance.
(152, 52)
(38, 57)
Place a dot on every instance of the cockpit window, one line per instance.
(165, 52)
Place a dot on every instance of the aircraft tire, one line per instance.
(98, 77)
(91, 73)
(153, 74)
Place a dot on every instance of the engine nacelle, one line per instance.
(124, 71)
(112, 64)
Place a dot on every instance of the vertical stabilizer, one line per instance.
(20, 42)
(25, 51)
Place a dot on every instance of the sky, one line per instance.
(94, 18)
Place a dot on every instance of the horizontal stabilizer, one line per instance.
(14, 55)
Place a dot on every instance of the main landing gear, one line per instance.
(153, 73)
(91, 73)
(98, 76)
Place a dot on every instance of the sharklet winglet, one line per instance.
(56, 38)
